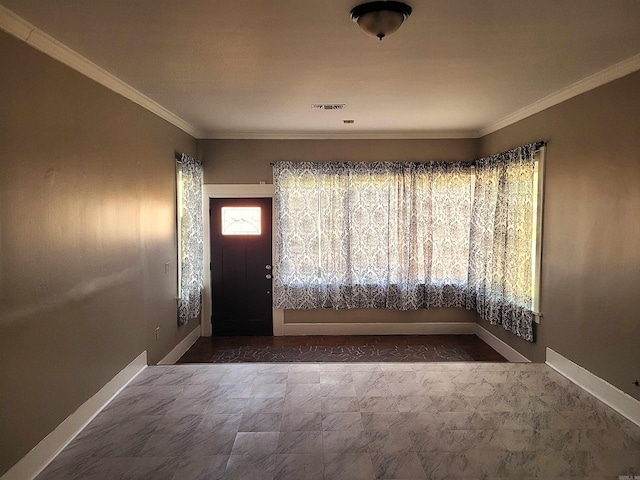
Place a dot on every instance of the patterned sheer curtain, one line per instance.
(371, 235)
(191, 240)
(500, 260)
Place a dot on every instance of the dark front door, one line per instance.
(241, 266)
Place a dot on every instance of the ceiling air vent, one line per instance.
(327, 106)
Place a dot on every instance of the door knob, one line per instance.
(268, 267)
(268, 276)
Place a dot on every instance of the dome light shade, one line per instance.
(380, 19)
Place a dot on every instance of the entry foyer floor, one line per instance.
(342, 348)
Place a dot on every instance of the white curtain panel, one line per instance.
(500, 283)
(371, 235)
(191, 240)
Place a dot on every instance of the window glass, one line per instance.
(241, 221)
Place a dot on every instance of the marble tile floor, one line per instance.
(352, 421)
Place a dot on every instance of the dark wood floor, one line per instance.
(342, 348)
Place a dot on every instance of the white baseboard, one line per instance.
(44, 452)
(499, 346)
(418, 328)
(174, 355)
(620, 401)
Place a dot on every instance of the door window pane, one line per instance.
(240, 220)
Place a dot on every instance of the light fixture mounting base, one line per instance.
(370, 7)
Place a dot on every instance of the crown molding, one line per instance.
(400, 135)
(591, 82)
(33, 36)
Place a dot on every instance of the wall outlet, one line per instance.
(157, 333)
(167, 267)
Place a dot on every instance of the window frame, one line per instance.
(537, 233)
(179, 215)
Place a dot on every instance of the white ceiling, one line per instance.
(252, 68)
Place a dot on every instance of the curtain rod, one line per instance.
(536, 145)
(539, 145)
(179, 156)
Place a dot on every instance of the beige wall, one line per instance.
(591, 239)
(87, 222)
(248, 161)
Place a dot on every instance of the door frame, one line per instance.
(216, 190)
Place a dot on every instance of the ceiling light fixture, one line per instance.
(380, 19)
